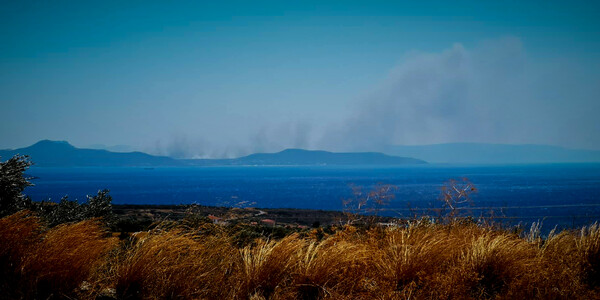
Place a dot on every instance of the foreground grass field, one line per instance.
(418, 261)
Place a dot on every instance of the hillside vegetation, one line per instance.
(418, 261)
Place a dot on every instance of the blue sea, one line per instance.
(556, 194)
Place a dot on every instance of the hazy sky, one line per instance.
(195, 79)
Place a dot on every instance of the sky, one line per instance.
(207, 79)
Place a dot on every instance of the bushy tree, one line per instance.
(99, 206)
(12, 183)
(65, 211)
(68, 211)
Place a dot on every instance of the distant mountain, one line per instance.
(62, 154)
(309, 157)
(474, 153)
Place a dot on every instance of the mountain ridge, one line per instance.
(47, 153)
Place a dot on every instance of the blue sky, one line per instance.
(196, 79)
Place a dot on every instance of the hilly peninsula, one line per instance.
(48, 153)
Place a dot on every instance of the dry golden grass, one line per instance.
(419, 261)
(267, 266)
(18, 234)
(175, 264)
(66, 257)
(588, 254)
(410, 257)
(53, 263)
(332, 267)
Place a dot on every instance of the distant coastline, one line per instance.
(48, 153)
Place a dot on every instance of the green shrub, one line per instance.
(12, 184)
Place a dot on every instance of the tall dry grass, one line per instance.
(175, 264)
(418, 261)
(267, 266)
(18, 234)
(40, 263)
(332, 268)
(65, 257)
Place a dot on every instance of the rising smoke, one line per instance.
(490, 93)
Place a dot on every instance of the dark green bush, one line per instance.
(68, 211)
(12, 183)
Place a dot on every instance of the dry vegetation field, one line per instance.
(417, 261)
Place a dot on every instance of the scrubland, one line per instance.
(417, 260)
